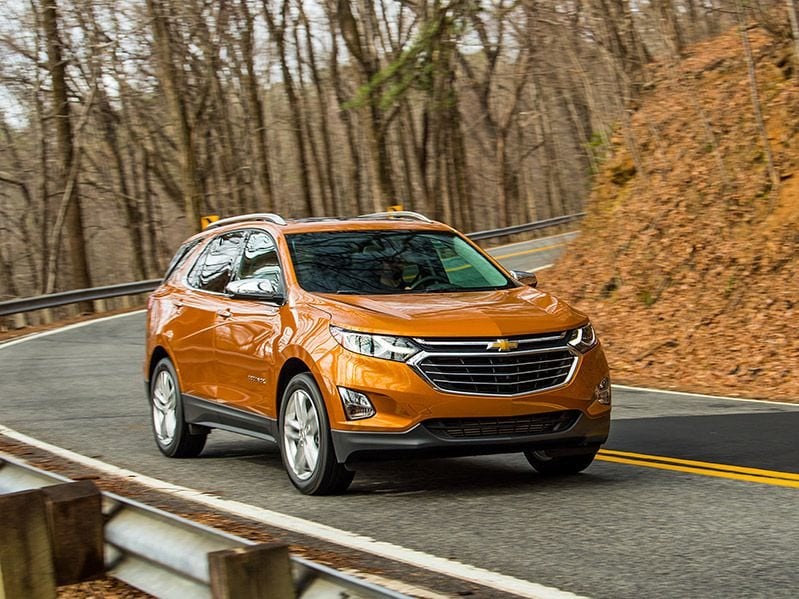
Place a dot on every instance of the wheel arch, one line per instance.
(291, 368)
(158, 354)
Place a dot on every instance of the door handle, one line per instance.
(224, 313)
(178, 304)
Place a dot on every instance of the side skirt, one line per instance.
(214, 415)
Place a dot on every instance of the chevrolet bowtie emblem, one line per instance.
(503, 345)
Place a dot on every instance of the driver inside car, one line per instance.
(391, 273)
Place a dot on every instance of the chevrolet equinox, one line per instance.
(380, 336)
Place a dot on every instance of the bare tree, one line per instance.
(172, 79)
(69, 162)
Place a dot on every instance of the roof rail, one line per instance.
(267, 216)
(397, 214)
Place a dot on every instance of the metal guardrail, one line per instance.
(541, 224)
(54, 300)
(166, 555)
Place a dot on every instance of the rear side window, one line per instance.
(180, 257)
(214, 268)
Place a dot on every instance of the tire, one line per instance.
(306, 445)
(558, 465)
(172, 434)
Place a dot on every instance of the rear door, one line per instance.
(201, 304)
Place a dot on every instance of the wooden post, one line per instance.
(26, 556)
(20, 320)
(75, 517)
(99, 306)
(257, 572)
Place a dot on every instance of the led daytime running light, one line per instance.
(583, 339)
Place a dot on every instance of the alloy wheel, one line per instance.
(165, 401)
(301, 434)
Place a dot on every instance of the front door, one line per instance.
(247, 335)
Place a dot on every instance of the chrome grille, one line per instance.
(534, 424)
(469, 366)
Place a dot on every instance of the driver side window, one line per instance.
(260, 260)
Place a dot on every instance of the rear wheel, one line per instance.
(555, 465)
(305, 442)
(172, 434)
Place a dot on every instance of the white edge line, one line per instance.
(705, 396)
(343, 538)
(68, 327)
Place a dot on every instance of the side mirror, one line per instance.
(525, 278)
(255, 289)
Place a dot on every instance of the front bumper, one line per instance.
(403, 399)
(585, 435)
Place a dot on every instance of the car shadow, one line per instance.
(479, 475)
(490, 475)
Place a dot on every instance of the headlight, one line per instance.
(583, 339)
(399, 349)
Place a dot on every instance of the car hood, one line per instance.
(501, 313)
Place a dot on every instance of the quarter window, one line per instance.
(215, 267)
(180, 257)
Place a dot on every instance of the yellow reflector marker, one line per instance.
(207, 220)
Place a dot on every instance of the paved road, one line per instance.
(616, 531)
(532, 255)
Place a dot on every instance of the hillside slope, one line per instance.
(687, 262)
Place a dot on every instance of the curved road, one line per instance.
(626, 527)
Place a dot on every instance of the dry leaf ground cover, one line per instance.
(687, 261)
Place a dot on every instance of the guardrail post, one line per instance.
(20, 321)
(75, 517)
(255, 572)
(26, 556)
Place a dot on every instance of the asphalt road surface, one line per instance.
(702, 520)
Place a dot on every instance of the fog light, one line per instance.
(356, 405)
(602, 392)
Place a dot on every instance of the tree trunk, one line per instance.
(791, 5)
(278, 33)
(264, 200)
(68, 160)
(171, 80)
(774, 176)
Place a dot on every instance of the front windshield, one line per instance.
(390, 262)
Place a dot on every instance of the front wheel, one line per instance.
(172, 434)
(558, 465)
(305, 442)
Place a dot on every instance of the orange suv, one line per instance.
(384, 335)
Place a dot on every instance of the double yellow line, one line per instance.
(754, 475)
(534, 250)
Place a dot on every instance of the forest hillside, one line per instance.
(687, 261)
